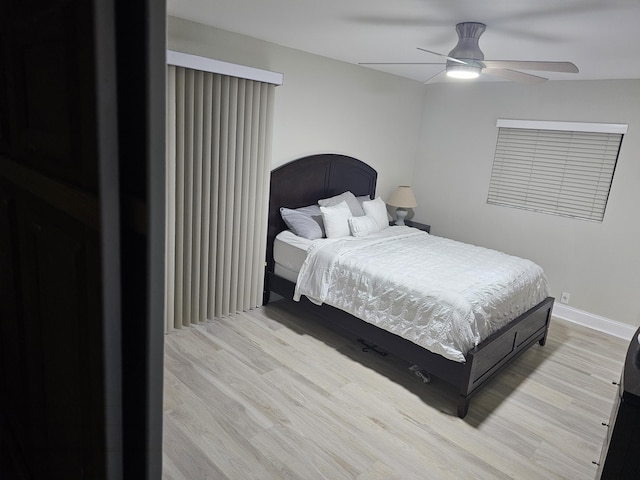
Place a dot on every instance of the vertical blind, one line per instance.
(218, 163)
(563, 172)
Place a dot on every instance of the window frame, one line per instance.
(571, 162)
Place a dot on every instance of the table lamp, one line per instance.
(402, 198)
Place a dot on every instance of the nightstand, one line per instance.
(420, 226)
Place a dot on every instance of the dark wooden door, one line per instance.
(80, 390)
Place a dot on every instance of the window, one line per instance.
(561, 168)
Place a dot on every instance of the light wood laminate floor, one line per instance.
(269, 394)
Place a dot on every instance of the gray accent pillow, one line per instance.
(305, 222)
(362, 199)
(350, 198)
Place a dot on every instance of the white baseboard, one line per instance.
(591, 320)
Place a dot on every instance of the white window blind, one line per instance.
(563, 169)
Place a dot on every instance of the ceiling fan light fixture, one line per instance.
(466, 72)
(466, 60)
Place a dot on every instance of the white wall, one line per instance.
(324, 106)
(597, 263)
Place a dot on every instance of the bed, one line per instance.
(303, 182)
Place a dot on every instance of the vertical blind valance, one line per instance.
(218, 162)
(564, 172)
(203, 64)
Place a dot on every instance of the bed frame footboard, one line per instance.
(497, 351)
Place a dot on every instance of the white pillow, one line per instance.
(363, 226)
(336, 220)
(378, 210)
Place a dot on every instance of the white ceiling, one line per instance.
(599, 36)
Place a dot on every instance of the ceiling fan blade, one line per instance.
(398, 63)
(514, 75)
(434, 76)
(442, 55)
(566, 67)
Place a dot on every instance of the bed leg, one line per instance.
(543, 340)
(463, 406)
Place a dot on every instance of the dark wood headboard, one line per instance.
(304, 181)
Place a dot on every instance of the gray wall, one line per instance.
(324, 105)
(440, 138)
(597, 263)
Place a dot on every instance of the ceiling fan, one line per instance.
(466, 60)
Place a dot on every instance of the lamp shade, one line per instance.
(403, 197)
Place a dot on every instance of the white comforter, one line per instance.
(443, 295)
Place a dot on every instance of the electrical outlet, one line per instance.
(564, 298)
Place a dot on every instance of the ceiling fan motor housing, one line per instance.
(467, 48)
